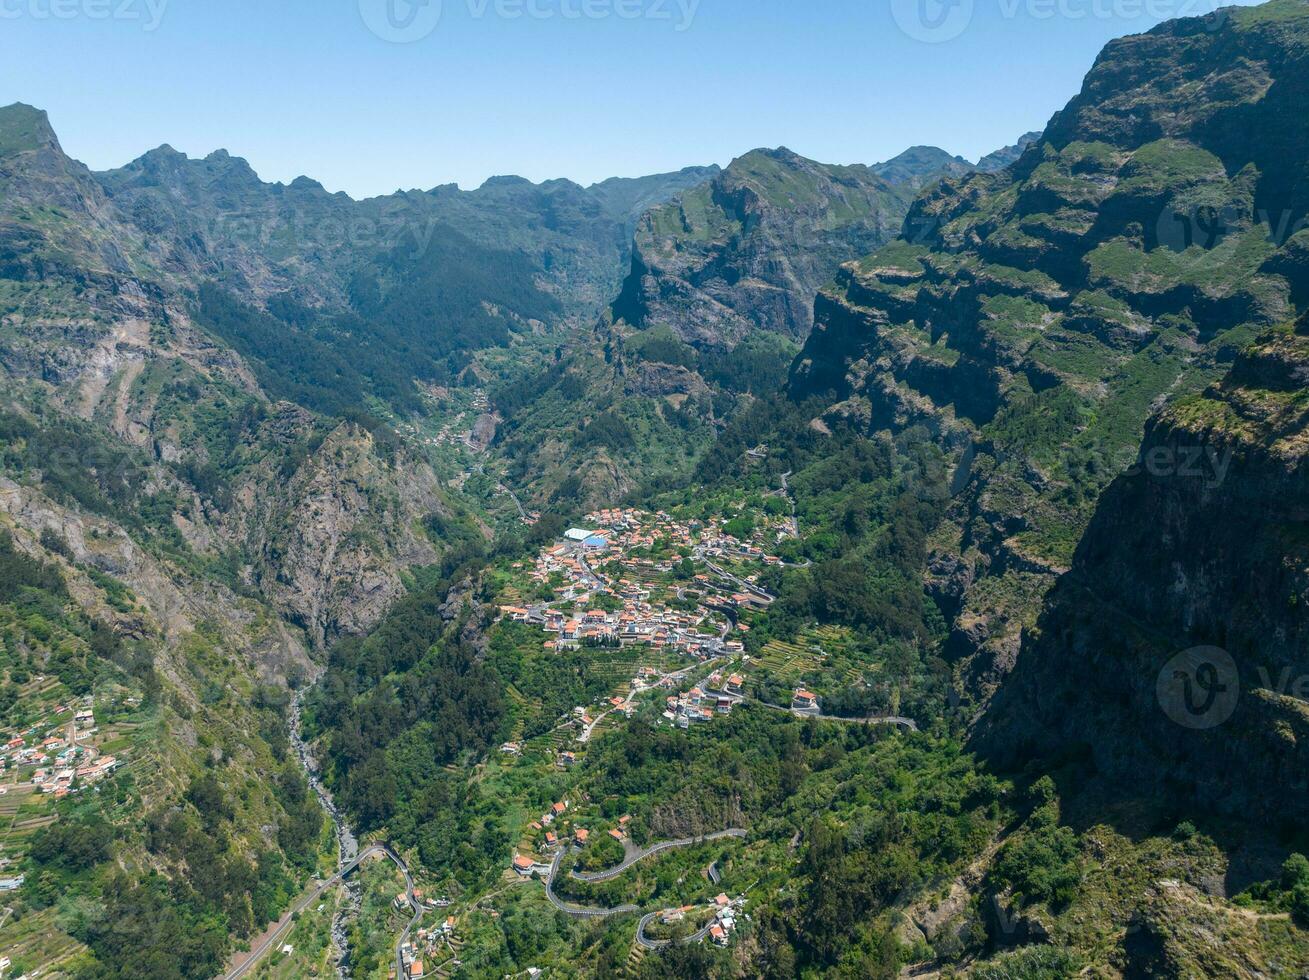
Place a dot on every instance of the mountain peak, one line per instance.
(919, 164)
(505, 180)
(24, 127)
(999, 159)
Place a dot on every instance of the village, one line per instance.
(53, 759)
(619, 567)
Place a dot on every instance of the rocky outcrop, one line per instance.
(1030, 321)
(750, 250)
(334, 540)
(1173, 651)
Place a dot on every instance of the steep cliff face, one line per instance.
(749, 250)
(1030, 321)
(103, 360)
(330, 545)
(1174, 650)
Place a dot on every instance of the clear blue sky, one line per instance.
(567, 88)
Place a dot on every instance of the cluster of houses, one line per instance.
(695, 707)
(719, 695)
(726, 912)
(59, 781)
(633, 615)
(59, 765)
(556, 838)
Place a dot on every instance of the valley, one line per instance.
(779, 570)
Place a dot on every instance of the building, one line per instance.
(526, 867)
(805, 701)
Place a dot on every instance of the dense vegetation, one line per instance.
(413, 317)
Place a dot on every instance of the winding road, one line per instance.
(906, 723)
(637, 856)
(657, 944)
(596, 913)
(576, 910)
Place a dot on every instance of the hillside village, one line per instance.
(620, 565)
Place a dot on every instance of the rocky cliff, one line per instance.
(1030, 321)
(104, 359)
(1173, 652)
(749, 250)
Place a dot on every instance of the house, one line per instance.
(11, 884)
(718, 934)
(526, 867)
(722, 901)
(735, 683)
(567, 760)
(551, 840)
(805, 701)
(581, 835)
(616, 834)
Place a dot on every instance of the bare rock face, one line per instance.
(335, 538)
(749, 250)
(169, 604)
(1173, 652)
(484, 430)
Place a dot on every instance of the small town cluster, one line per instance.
(636, 605)
(57, 760)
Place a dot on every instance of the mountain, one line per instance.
(747, 251)
(999, 159)
(1019, 498)
(919, 165)
(1032, 320)
(1117, 623)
